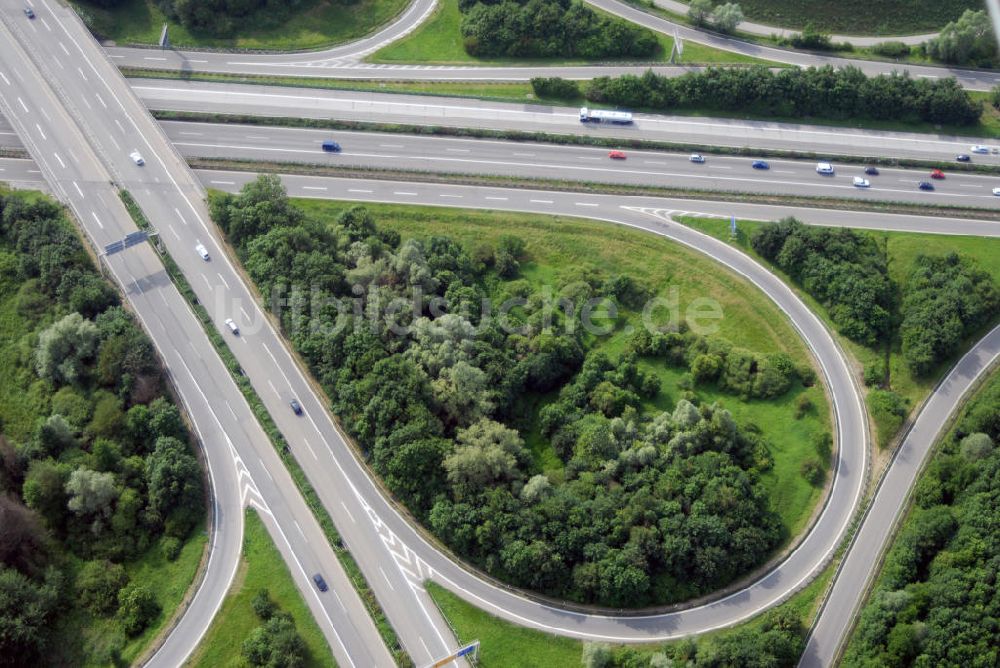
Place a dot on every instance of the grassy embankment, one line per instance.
(902, 248)
(261, 567)
(558, 247)
(318, 24)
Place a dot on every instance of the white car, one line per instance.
(979, 148)
(996, 191)
(860, 182)
(137, 158)
(232, 326)
(824, 168)
(202, 251)
(696, 157)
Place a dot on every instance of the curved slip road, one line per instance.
(345, 61)
(859, 568)
(426, 110)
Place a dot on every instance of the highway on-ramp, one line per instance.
(427, 110)
(345, 61)
(74, 112)
(858, 569)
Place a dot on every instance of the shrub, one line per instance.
(555, 88)
(803, 404)
(889, 410)
(892, 49)
(98, 585)
(262, 605)
(137, 607)
(171, 547)
(813, 472)
(875, 373)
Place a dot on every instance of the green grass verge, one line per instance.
(320, 23)
(507, 645)
(858, 17)
(261, 567)
(902, 249)
(560, 245)
(278, 441)
(439, 41)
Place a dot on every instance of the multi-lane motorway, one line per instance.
(569, 163)
(79, 122)
(426, 110)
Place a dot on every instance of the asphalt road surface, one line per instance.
(571, 163)
(843, 603)
(463, 112)
(575, 163)
(75, 113)
(345, 61)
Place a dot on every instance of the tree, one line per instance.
(98, 584)
(64, 347)
(596, 655)
(26, 612)
(968, 38)
(137, 607)
(91, 495)
(45, 491)
(23, 542)
(262, 605)
(726, 17)
(275, 644)
(56, 435)
(700, 11)
(173, 480)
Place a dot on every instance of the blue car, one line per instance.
(760, 164)
(331, 146)
(320, 582)
(926, 185)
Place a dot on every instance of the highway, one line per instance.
(345, 61)
(575, 163)
(571, 163)
(74, 112)
(395, 557)
(843, 603)
(426, 110)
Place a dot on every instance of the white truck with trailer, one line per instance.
(605, 116)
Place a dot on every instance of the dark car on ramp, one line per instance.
(320, 582)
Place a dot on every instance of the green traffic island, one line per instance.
(102, 495)
(906, 305)
(590, 187)
(933, 602)
(264, 620)
(254, 25)
(489, 430)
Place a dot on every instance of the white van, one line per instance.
(824, 168)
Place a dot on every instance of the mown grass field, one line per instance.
(858, 17)
(319, 24)
(506, 645)
(559, 248)
(902, 248)
(439, 41)
(261, 567)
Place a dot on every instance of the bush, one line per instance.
(891, 49)
(803, 404)
(262, 605)
(875, 373)
(813, 472)
(555, 88)
(137, 607)
(889, 410)
(171, 546)
(995, 96)
(98, 585)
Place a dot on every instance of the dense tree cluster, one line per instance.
(845, 270)
(276, 643)
(549, 29)
(221, 18)
(649, 507)
(967, 40)
(946, 299)
(107, 471)
(794, 92)
(936, 602)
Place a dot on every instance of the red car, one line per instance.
(937, 174)
(617, 155)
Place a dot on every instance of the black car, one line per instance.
(963, 158)
(926, 185)
(871, 171)
(29, 12)
(296, 406)
(320, 582)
